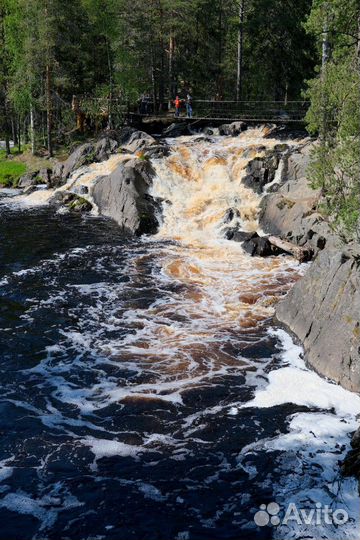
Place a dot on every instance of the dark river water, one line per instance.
(117, 423)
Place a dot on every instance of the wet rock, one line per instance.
(128, 139)
(231, 213)
(104, 147)
(290, 212)
(260, 246)
(243, 236)
(261, 171)
(139, 141)
(351, 464)
(208, 131)
(28, 179)
(156, 151)
(80, 190)
(233, 130)
(234, 234)
(30, 189)
(123, 196)
(72, 201)
(176, 130)
(252, 243)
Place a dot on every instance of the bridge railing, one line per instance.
(251, 110)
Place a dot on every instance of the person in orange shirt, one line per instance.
(177, 104)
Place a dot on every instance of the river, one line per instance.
(145, 389)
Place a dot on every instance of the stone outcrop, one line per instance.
(323, 310)
(127, 140)
(123, 196)
(290, 210)
(34, 178)
(83, 155)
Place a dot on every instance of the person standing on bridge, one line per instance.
(189, 109)
(177, 104)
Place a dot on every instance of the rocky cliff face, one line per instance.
(323, 308)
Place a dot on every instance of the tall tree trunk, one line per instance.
(358, 44)
(220, 82)
(153, 79)
(32, 130)
(240, 51)
(325, 41)
(18, 120)
(7, 124)
(49, 111)
(324, 60)
(172, 89)
(111, 89)
(14, 130)
(48, 79)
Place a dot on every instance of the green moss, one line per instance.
(79, 204)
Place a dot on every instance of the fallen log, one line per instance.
(302, 254)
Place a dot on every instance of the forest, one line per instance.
(112, 51)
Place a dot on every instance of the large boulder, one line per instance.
(323, 310)
(124, 197)
(260, 246)
(233, 130)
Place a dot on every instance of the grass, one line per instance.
(10, 169)
(20, 163)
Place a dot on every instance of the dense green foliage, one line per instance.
(335, 110)
(121, 48)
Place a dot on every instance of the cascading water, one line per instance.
(144, 390)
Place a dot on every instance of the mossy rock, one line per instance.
(285, 203)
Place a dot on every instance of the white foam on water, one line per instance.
(5, 470)
(296, 384)
(316, 442)
(104, 448)
(45, 509)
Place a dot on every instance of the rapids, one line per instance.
(145, 390)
